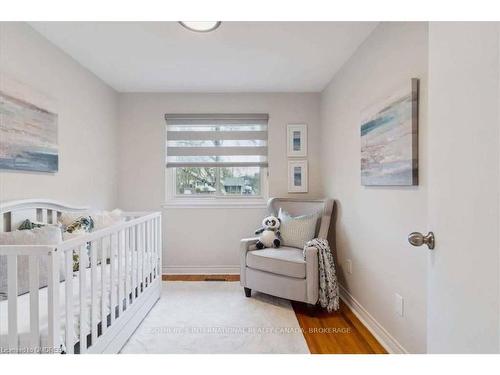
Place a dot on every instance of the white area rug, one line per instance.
(216, 317)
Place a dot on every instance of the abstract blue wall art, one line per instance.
(389, 140)
(28, 136)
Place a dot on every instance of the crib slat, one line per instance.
(12, 300)
(121, 253)
(155, 252)
(152, 249)
(157, 235)
(159, 266)
(34, 309)
(126, 255)
(155, 247)
(139, 247)
(93, 275)
(82, 271)
(143, 238)
(104, 294)
(138, 265)
(133, 253)
(53, 301)
(68, 284)
(146, 254)
(112, 279)
(137, 236)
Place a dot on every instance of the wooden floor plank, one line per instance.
(340, 332)
(362, 330)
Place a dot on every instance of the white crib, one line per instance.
(94, 310)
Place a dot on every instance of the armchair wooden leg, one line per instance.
(248, 292)
(311, 309)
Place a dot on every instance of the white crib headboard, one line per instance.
(13, 213)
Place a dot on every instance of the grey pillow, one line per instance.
(296, 231)
(48, 235)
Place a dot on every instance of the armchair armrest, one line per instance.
(246, 244)
(312, 275)
(310, 253)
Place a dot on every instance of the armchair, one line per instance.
(284, 272)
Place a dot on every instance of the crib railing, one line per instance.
(121, 262)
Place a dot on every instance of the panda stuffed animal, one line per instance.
(269, 233)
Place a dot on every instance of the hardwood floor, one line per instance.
(340, 332)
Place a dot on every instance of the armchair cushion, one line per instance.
(286, 261)
(296, 231)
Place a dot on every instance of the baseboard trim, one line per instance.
(211, 277)
(384, 338)
(201, 270)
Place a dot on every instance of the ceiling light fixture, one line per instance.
(200, 26)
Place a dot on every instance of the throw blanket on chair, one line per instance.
(328, 287)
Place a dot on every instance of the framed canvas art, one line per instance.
(29, 136)
(297, 176)
(389, 139)
(297, 140)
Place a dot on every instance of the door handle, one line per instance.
(418, 239)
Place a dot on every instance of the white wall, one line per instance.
(373, 222)
(87, 121)
(206, 240)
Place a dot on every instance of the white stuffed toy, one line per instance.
(269, 233)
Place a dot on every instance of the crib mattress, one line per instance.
(23, 313)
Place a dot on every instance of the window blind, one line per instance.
(216, 140)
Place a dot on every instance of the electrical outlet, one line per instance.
(399, 304)
(348, 266)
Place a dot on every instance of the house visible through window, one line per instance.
(217, 155)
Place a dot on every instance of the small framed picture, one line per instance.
(297, 176)
(297, 140)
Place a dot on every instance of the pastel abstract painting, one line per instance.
(389, 141)
(28, 136)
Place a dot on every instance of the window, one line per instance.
(217, 156)
(219, 181)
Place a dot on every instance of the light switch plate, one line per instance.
(348, 266)
(399, 304)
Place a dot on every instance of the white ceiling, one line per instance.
(237, 57)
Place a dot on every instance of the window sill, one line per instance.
(257, 203)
